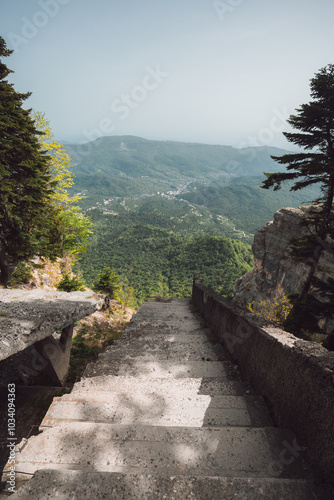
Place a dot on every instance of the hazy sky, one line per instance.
(217, 72)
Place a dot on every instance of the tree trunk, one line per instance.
(328, 204)
(7, 267)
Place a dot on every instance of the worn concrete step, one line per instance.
(153, 337)
(154, 316)
(145, 408)
(234, 451)
(173, 327)
(69, 485)
(178, 308)
(158, 368)
(158, 348)
(158, 338)
(162, 386)
(146, 398)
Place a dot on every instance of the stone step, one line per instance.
(162, 347)
(178, 308)
(152, 316)
(69, 485)
(146, 397)
(162, 340)
(175, 327)
(227, 452)
(163, 369)
(162, 386)
(152, 409)
(159, 337)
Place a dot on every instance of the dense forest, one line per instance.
(156, 261)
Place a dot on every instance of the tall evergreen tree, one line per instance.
(315, 121)
(28, 221)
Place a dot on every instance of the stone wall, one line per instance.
(294, 376)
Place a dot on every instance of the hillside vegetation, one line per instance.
(163, 211)
(154, 261)
(127, 166)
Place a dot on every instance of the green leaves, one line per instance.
(37, 216)
(108, 283)
(154, 261)
(26, 183)
(315, 121)
(68, 284)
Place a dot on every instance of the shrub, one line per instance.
(276, 309)
(68, 284)
(108, 283)
(22, 274)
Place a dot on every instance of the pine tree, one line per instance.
(28, 220)
(315, 121)
(108, 283)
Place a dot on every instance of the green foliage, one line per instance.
(108, 283)
(125, 167)
(68, 284)
(245, 204)
(308, 313)
(93, 335)
(27, 217)
(154, 261)
(275, 309)
(304, 248)
(22, 274)
(315, 122)
(75, 227)
(37, 216)
(81, 355)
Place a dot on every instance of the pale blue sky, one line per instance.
(216, 72)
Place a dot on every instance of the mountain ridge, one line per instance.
(155, 156)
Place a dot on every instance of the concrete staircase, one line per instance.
(162, 415)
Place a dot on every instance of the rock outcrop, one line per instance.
(278, 271)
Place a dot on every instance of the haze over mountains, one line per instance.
(135, 157)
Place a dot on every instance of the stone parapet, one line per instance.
(32, 318)
(295, 376)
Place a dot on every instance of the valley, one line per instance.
(163, 211)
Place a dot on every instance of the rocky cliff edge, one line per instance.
(278, 271)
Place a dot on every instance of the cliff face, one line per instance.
(278, 271)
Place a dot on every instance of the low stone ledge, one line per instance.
(296, 377)
(29, 316)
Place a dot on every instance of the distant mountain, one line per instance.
(135, 157)
(186, 188)
(123, 165)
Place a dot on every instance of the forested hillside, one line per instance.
(155, 261)
(126, 166)
(163, 211)
(246, 204)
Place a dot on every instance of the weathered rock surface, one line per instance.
(277, 270)
(28, 316)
